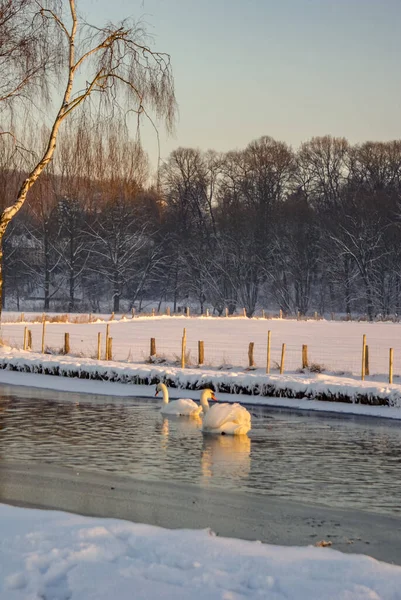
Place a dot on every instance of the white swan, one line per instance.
(184, 407)
(225, 419)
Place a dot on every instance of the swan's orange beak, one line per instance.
(214, 398)
(157, 393)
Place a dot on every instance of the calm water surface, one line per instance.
(336, 462)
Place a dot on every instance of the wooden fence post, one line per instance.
(269, 336)
(107, 337)
(25, 337)
(363, 357)
(22, 317)
(66, 343)
(207, 312)
(281, 314)
(133, 312)
(29, 344)
(298, 315)
(305, 356)
(109, 348)
(282, 359)
(112, 317)
(390, 366)
(263, 313)
(183, 348)
(43, 333)
(153, 312)
(226, 311)
(168, 311)
(99, 345)
(332, 316)
(152, 347)
(201, 353)
(251, 361)
(187, 311)
(367, 361)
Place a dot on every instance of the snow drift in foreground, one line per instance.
(254, 383)
(59, 556)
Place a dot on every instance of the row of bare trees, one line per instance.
(315, 229)
(85, 232)
(312, 229)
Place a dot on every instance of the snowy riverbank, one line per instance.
(338, 394)
(57, 555)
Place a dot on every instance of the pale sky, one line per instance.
(291, 69)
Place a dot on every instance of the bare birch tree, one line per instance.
(122, 74)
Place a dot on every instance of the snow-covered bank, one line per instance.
(58, 556)
(253, 383)
(36, 385)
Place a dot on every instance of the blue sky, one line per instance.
(291, 69)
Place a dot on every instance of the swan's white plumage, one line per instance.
(184, 407)
(229, 419)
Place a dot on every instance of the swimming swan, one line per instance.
(225, 419)
(184, 407)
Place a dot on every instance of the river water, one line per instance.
(336, 462)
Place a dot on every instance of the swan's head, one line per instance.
(159, 388)
(210, 395)
(205, 396)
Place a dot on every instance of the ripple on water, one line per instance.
(336, 462)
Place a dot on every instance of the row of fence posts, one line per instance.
(305, 361)
(108, 354)
(251, 347)
(300, 316)
(365, 361)
(226, 313)
(187, 314)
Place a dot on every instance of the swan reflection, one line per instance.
(181, 427)
(177, 427)
(226, 455)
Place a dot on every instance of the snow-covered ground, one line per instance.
(335, 345)
(58, 556)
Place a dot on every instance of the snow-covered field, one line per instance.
(333, 345)
(58, 556)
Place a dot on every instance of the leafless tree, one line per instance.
(121, 71)
(26, 53)
(189, 180)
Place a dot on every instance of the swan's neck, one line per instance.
(165, 394)
(204, 403)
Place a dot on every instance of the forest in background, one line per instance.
(311, 229)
